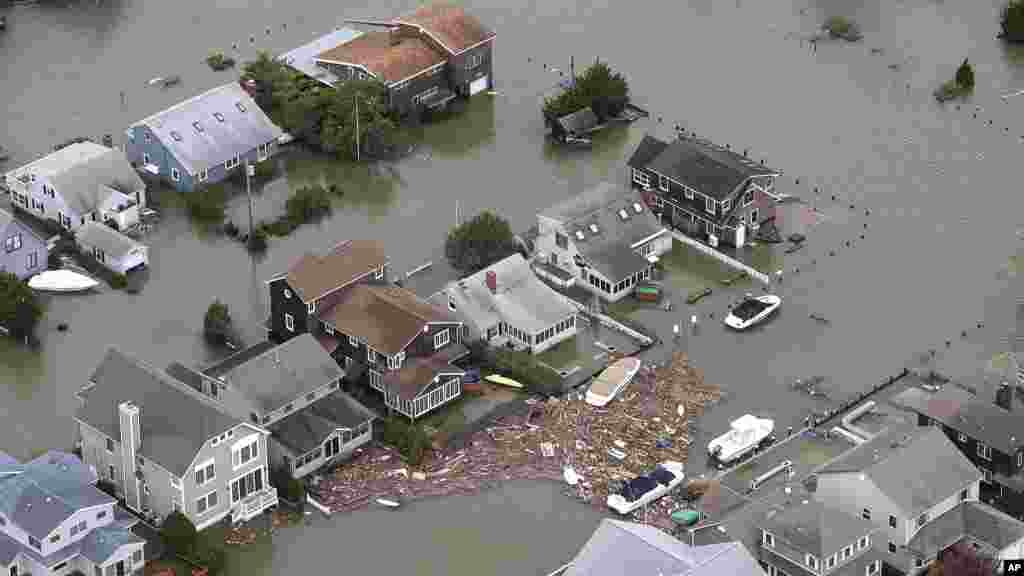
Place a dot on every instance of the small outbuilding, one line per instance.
(111, 248)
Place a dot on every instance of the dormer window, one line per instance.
(984, 451)
(847, 552)
(579, 235)
(811, 562)
(593, 228)
(623, 214)
(311, 307)
(451, 303)
(962, 437)
(176, 136)
(831, 563)
(873, 568)
(218, 116)
(768, 540)
(637, 207)
(709, 205)
(240, 106)
(862, 543)
(198, 127)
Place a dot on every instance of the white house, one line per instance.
(111, 248)
(79, 183)
(507, 303)
(606, 237)
(54, 521)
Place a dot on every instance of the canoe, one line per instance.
(61, 281)
(501, 380)
(685, 516)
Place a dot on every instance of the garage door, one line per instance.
(478, 85)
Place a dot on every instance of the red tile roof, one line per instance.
(391, 63)
(314, 276)
(449, 24)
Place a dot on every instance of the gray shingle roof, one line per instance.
(60, 160)
(521, 298)
(284, 373)
(66, 465)
(579, 122)
(303, 58)
(7, 460)
(9, 548)
(113, 243)
(101, 542)
(964, 412)
(920, 470)
(39, 496)
(304, 430)
(87, 184)
(813, 528)
(219, 141)
(175, 420)
(610, 249)
(968, 519)
(618, 548)
(708, 169)
(647, 150)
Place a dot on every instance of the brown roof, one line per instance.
(417, 374)
(386, 317)
(449, 24)
(391, 63)
(314, 276)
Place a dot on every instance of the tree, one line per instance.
(217, 324)
(1012, 21)
(269, 77)
(376, 127)
(20, 309)
(598, 87)
(961, 559)
(480, 242)
(965, 76)
(178, 533)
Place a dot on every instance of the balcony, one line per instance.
(255, 504)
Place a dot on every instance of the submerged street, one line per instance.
(930, 188)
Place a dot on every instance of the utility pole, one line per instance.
(356, 113)
(249, 171)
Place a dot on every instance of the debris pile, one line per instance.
(245, 534)
(649, 424)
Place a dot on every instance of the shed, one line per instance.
(111, 248)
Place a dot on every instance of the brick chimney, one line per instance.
(492, 281)
(1004, 396)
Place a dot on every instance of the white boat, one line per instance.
(612, 381)
(61, 281)
(752, 310)
(571, 478)
(746, 433)
(388, 502)
(647, 488)
(156, 80)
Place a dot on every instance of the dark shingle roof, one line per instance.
(175, 420)
(813, 528)
(418, 372)
(9, 548)
(648, 149)
(975, 520)
(967, 413)
(706, 168)
(110, 241)
(101, 542)
(38, 496)
(307, 428)
(579, 122)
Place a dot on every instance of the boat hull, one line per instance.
(737, 323)
(61, 281)
(619, 503)
(734, 444)
(598, 399)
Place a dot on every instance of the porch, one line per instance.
(442, 390)
(254, 504)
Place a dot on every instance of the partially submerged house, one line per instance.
(606, 237)
(167, 447)
(425, 58)
(579, 124)
(79, 183)
(304, 58)
(506, 304)
(25, 252)
(707, 191)
(293, 390)
(110, 248)
(203, 139)
(54, 520)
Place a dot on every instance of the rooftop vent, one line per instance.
(176, 136)
(218, 116)
(637, 207)
(579, 235)
(240, 106)
(198, 127)
(49, 499)
(593, 228)
(623, 214)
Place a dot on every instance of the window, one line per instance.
(1020, 459)
(376, 380)
(145, 157)
(811, 562)
(862, 543)
(198, 127)
(137, 556)
(641, 178)
(561, 240)
(110, 445)
(663, 183)
(146, 136)
(709, 204)
(892, 547)
(918, 562)
(231, 163)
(748, 197)
(34, 543)
(441, 338)
(55, 538)
(892, 521)
(395, 362)
(175, 175)
(251, 483)
(726, 204)
(847, 552)
(963, 494)
(768, 540)
(240, 106)
(245, 452)
(379, 275)
(33, 260)
(371, 356)
(176, 136)
(987, 475)
(287, 293)
(474, 60)
(688, 193)
(311, 307)
(13, 242)
(873, 568)
(961, 437)
(218, 116)
(206, 502)
(866, 514)
(205, 472)
(203, 175)
(984, 451)
(451, 303)
(101, 514)
(922, 520)
(289, 322)
(831, 563)
(753, 217)
(352, 340)
(175, 482)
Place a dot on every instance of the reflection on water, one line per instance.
(22, 369)
(468, 126)
(604, 157)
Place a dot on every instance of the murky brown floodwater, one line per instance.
(858, 121)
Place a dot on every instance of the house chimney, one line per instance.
(492, 281)
(1004, 396)
(131, 441)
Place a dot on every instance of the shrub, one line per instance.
(965, 76)
(20, 308)
(290, 488)
(844, 28)
(178, 533)
(410, 439)
(218, 61)
(480, 242)
(598, 87)
(266, 170)
(522, 366)
(210, 556)
(307, 204)
(1011, 21)
(206, 204)
(217, 323)
(118, 281)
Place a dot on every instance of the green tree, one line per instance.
(178, 533)
(376, 126)
(480, 242)
(598, 87)
(217, 324)
(1012, 21)
(965, 75)
(269, 77)
(20, 309)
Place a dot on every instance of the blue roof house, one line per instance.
(203, 139)
(54, 521)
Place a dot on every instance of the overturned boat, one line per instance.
(746, 433)
(647, 488)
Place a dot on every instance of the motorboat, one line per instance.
(612, 380)
(752, 310)
(388, 502)
(746, 433)
(570, 475)
(647, 488)
(61, 281)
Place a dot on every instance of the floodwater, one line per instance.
(934, 185)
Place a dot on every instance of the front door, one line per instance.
(120, 568)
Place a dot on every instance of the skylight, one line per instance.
(218, 116)
(593, 228)
(623, 214)
(198, 127)
(579, 235)
(637, 207)
(240, 106)
(176, 136)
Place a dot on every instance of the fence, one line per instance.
(723, 258)
(847, 404)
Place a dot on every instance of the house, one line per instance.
(506, 303)
(808, 538)
(53, 520)
(989, 434)
(707, 191)
(919, 490)
(25, 252)
(618, 548)
(111, 248)
(79, 183)
(203, 139)
(606, 237)
(401, 345)
(291, 389)
(425, 58)
(167, 447)
(577, 124)
(303, 58)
